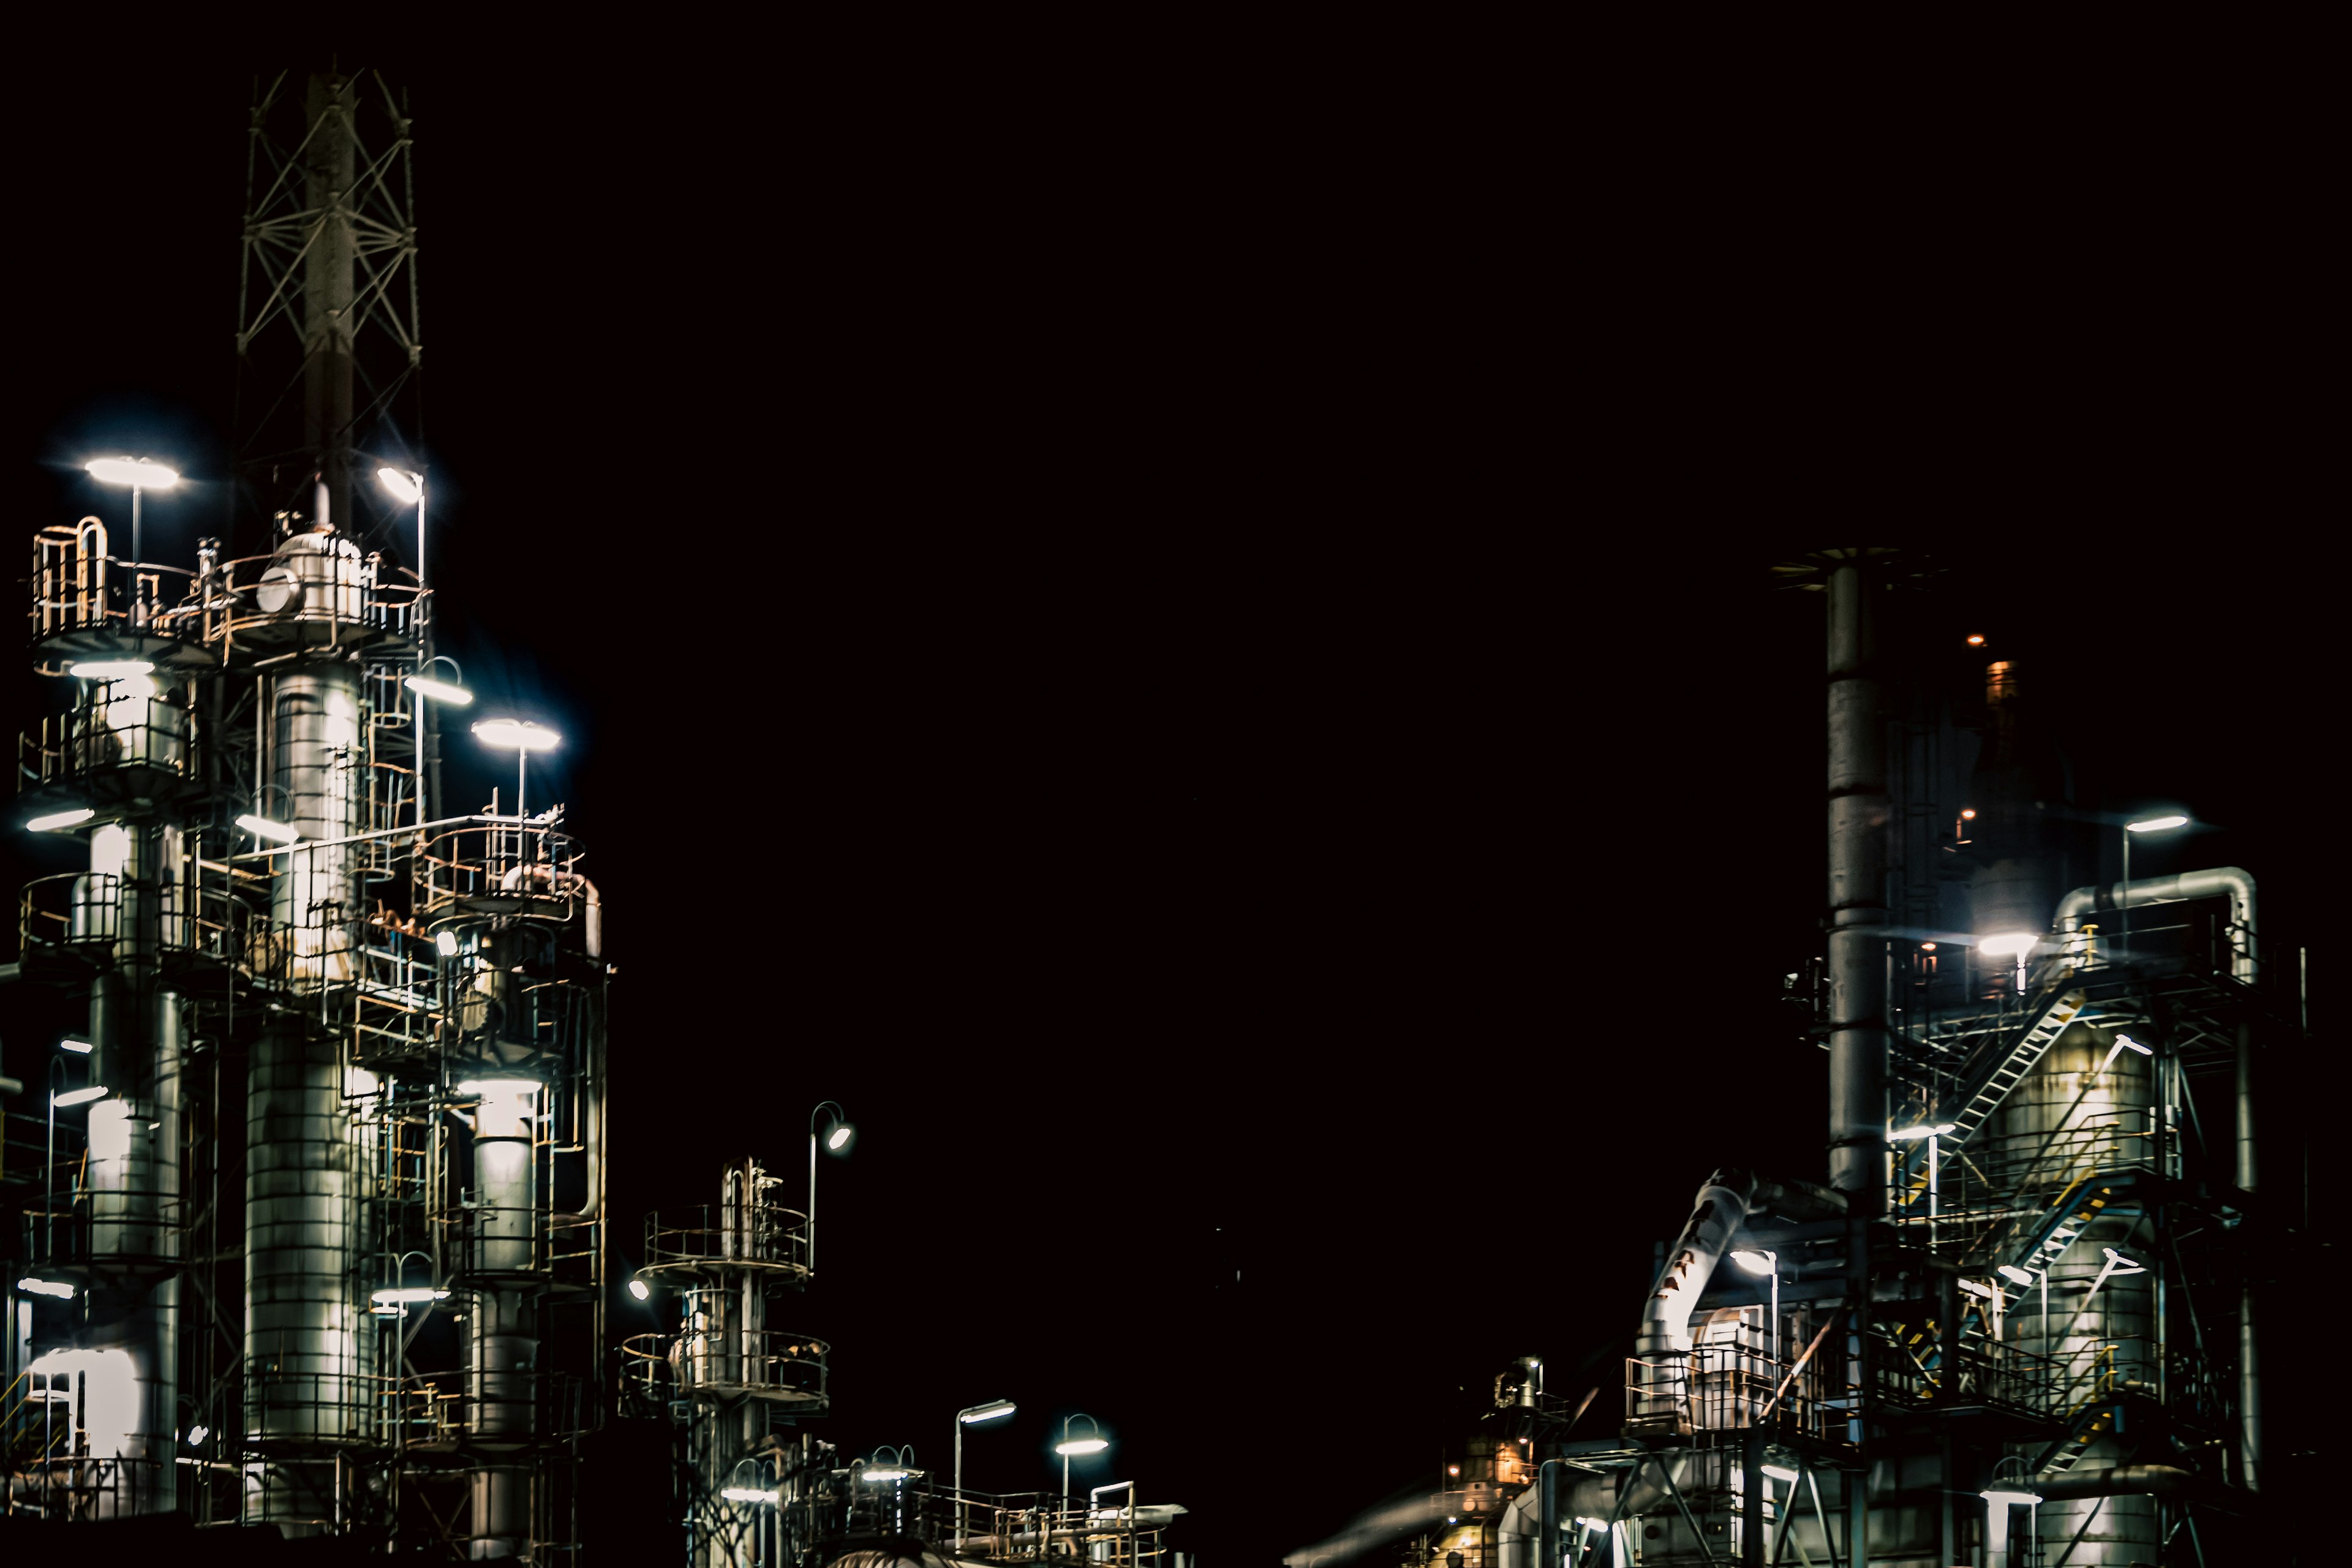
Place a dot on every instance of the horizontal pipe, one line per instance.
(2221, 881)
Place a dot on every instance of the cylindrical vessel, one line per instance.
(316, 770)
(2069, 1128)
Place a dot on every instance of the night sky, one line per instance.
(1233, 720)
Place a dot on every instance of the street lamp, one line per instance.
(836, 1142)
(1764, 1260)
(142, 476)
(524, 738)
(971, 1416)
(1069, 1445)
(2123, 909)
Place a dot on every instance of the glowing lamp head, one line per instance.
(109, 669)
(516, 735)
(638, 1289)
(445, 942)
(1926, 1129)
(1976, 639)
(406, 488)
(37, 1287)
(83, 1096)
(1076, 1446)
(2156, 825)
(2006, 944)
(136, 472)
(2014, 1275)
(262, 827)
(58, 819)
(838, 1139)
(988, 1412)
(2007, 1497)
(439, 691)
(78, 1048)
(1753, 1261)
(1967, 814)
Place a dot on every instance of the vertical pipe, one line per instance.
(1857, 832)
(1547, 1514)
(330, 165)
(2250, 1387)
(1857, 825)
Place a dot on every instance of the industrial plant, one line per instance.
(2022, 1316)
(306, 1203)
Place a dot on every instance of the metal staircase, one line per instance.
(2044, 1023)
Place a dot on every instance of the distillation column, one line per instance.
(301, 1319)
(501, 1330)
(134, 1172)
(2078, 1115)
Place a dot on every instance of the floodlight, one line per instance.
(1912, 1134)
(989, 1411)
(2013, 1274)
(405, 487)
(2156, 825)
(408, 1294)
(83, 1096)
(197, 1435)
(58, 1288)
(2007, 944)
(638, 1289)
(1753, 1261)
(262, 827)
(516, 735)
(80, 1047)
(839, 1137)
(58, 819)
(439, 691)
(109, 669)
(884, 1473)
(1082, 1446)
(445, 942)
(136, 472)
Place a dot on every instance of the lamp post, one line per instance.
(524, 738)
(967, 1417)
(1069, 1445)
(836, 1141)
(1764, 1260)
(453, 692)
(142, 476)
(2122, 908)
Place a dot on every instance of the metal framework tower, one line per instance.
(326, 1250)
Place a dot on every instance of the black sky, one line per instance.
(1206, 671)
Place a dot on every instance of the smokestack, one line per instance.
(1858, 816)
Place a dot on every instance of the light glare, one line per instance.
(2156, 825)
(2014, 1275)
(58, 819)
(445, 942)
(406, 1294)
(439, 691)
(1753, 1261)
(746, 1494)
(839, 1136)
(638, 1289)
(262, 827)
(2007, 944)
(137, 472)
(1910, 1134)
(1082, 1446)
(516, 735)
(405, 486)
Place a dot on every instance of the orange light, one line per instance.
(1927, 947)
(1453, 1469)
(1977, 640)
(1967, 814)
